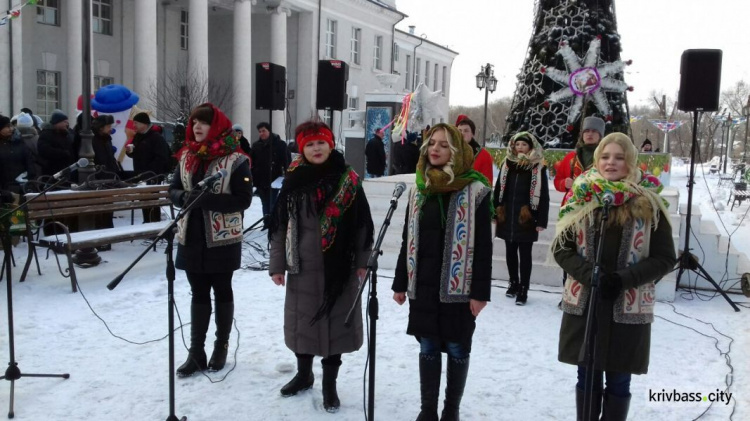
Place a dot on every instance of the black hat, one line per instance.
(646, 142)
(142, 118)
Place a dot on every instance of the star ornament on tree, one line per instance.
(584, 78)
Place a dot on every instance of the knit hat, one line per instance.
(4, 121)
(24, 120)
(57, 117)
(593, 123)
(461, 117)
(237, 128)
(142, 118)
(323, 133)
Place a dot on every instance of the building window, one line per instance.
(416, 72)
(427, 73)
(377, 53)
(356, 38)
(48, 12)
(396, 51)
(101, 14)
(331, 39)
(100, 81)
(327, 117)
(47, 92)
(353, 105)
(434, 78)
(445, 79)
(184, 29)
(407, 80)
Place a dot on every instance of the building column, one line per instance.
(145, 43)
(242, 75)
(6, 84)
(307, 67)
(69, 103)
(279, 16)
(198, 40)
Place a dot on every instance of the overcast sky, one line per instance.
(654, 34)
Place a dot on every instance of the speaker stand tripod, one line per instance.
(686, 260)
(14, 373)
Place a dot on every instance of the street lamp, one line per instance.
(486, 80)
(746, 114)
(725, 149)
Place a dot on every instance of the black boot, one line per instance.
(523, 292)
(615, 408)
(223, 319)
(304, 378)
(429, 385)
(200, 316)
(331, 401)
(513, 287)
(458, 370)
(597, 408)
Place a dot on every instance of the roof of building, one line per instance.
(427, 41)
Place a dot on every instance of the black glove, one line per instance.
(611, 285)
(191, 196)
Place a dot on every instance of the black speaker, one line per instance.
(700, 80)
(270, 86)
(332, 78)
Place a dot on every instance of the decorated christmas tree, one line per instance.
(572, 70)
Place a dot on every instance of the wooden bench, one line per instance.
(738, 196)
(78, 203)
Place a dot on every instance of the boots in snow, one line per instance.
(458, 370)
(200, 317)
(223, 318)
(303, 380)
(331, 401)
(429, 385)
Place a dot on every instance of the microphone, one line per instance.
(78, 164)
(211, 180)
(400, 187)
(608, 198)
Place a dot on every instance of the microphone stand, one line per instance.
(372, 275)
(14, 373)
(167, 234)
(590, 337)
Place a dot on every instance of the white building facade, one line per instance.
(140, 43)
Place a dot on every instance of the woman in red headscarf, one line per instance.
(210, 236)
(321, 234)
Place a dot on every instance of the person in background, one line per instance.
(269, 157)
(637, 250)
(30, 135)
(210, 237)
(521, 201)
(375, 154)
(405, 154)
(239, 134)
(55, 144)
(150, 153)
(15, 157)
(482, 158)
(445, 264)
(646, 146)
(321, 235)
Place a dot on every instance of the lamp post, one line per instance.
(746, 113)
(486, 80)
(725, 155)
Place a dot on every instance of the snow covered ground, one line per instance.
(698, 346)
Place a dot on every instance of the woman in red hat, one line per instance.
(321, 235)
(210, 236)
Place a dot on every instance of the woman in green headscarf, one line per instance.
(445, 263)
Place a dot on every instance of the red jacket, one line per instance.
(568, 167)
(483, 163)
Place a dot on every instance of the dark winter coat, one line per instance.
(516, 195)
(620, 347)
(264, 169)
(195, 255)
(150, 152)
(15, 158)
(405, 157)
(245, 145)
(428, 317)
(55, 150)
(104, 153)
(305, 291)
(375, 154)
(31, 138)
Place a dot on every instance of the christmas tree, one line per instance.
(572, 70)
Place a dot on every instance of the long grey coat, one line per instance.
(305, 292)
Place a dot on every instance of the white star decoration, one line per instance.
(425, 105)
(586, 78)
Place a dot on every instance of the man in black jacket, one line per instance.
(55, 145)
(150, 152)
(267, 167)
(15, 157)
(375, 154)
